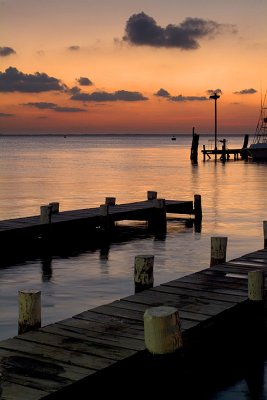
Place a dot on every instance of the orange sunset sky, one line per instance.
(121, 66)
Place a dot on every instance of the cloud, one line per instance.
(181, 98)
(42, 105)
(6, 115)
(141, 29)
(162, 93)
(83, 81)
(119, 95)
(13, 80)
(6, 51)
(74, 48)
(246, 91)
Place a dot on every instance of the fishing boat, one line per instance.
(258, 149)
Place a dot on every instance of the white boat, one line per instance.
(258, 149)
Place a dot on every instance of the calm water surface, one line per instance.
(81, 171)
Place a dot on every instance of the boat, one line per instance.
(173, 138)
(258, 149)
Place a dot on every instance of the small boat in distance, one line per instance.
(258, 149)
(173, 138)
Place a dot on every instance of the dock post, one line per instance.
(29, 310)
(151, 195)
(143, 272)
(198, 207)
(162, 330)
(54, 207)
(256, 297)
(160, 216)
(218, 250)
(110, 201)
(256, 285)
(265, 233)
(45, 214)
(194, 147)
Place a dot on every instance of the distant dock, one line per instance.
(225, 153)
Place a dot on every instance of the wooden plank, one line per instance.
(95, 337)
(13, 391)
(56, 354)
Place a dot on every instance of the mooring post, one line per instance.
(198, 207)
(218, 250)
(162, 330)
(256, 286)
(143, 272)
(151, 195)
(265, 233)
(29, 310)
(54, 207)
(256, 297)
(110, 201)
(45, 214)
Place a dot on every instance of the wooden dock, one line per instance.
(31, 235)
(103, 348)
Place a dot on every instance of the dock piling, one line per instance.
(143, 272)
(256, 285)
(162, 330)
(218, 250)
(110, 201)
(29, 310)
(151, 195)
(45, 214)
(54, 207)
(265, 233)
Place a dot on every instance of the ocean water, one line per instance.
(80, 171)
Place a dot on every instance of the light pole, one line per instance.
(215, 96)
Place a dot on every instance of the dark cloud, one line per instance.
(162, 93)
(6, 115)
(246, 91)
(6, 51)
(181, 98)
(13, 80)
(52, 106)
(83, 81)
(74, 48)
(120, 95)
(141, 29)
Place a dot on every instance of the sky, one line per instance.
(121, 66)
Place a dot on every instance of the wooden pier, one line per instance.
(225, 153)
(33, 234)
(102, 349)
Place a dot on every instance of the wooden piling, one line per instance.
(194, 147)
(218, 250)
(265, 233)
(198, 207)
(143, 272)
(256, 285)
(151, 195)
(29, 310)
(45, 214)
(110, 201)
(54, 207)
(162, 330)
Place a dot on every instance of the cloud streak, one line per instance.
(42, 105)
(119, 95)
(6, 51)
(141, 29)
(165, 94)
(246, 91)
(13, 80)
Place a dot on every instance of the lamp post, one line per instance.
(215, 96)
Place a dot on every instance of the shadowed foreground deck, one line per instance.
(103, 348)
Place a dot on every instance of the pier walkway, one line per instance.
(59, 359)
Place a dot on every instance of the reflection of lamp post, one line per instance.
(215, 96)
